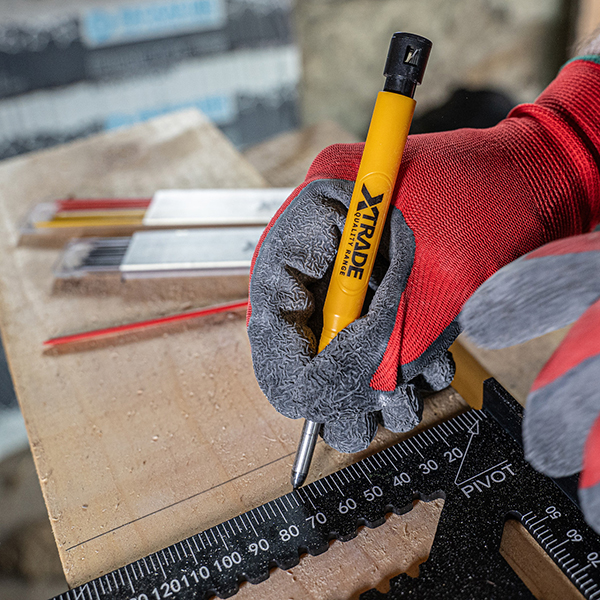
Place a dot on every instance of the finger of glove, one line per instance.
(402, 409)
(589, 482)
(564, 400)
(298, 248)
(338, 380)
(538, 293)
(352, 434)
(438, 374)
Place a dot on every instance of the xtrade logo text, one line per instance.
(361, 234)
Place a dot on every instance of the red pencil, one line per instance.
(101, 203)
(106, 331)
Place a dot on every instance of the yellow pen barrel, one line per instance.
(371, 198)
(368, 210)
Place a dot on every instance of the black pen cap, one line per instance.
(406, 62)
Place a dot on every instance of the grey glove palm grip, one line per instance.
(287, 291)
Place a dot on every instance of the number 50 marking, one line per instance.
(374, 492)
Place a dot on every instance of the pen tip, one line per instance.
(297, 479)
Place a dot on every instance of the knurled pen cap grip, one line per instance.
(406, 62)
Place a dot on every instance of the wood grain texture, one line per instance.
(517, 367)
(102, 424)
(141, 443)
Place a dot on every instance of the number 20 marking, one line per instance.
(453, 454)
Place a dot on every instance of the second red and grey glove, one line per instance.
(543, 291)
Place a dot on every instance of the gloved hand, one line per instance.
(467, 202)
(540, 292)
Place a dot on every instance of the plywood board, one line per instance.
(144, 441)
(141, 443)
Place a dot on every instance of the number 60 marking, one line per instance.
(346, 505)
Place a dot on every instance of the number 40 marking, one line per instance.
(401, 479)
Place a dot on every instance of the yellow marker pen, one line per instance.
(371, 198)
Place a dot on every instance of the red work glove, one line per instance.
(467, 202)
(543, 291)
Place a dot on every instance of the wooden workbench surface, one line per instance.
(145, 441)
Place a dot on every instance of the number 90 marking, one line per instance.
(254, 547)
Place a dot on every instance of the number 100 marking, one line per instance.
(228, 561)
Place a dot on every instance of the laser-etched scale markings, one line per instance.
(470, 461)
(558, 543)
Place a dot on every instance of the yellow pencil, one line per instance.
(131, 218)
(371, 198)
